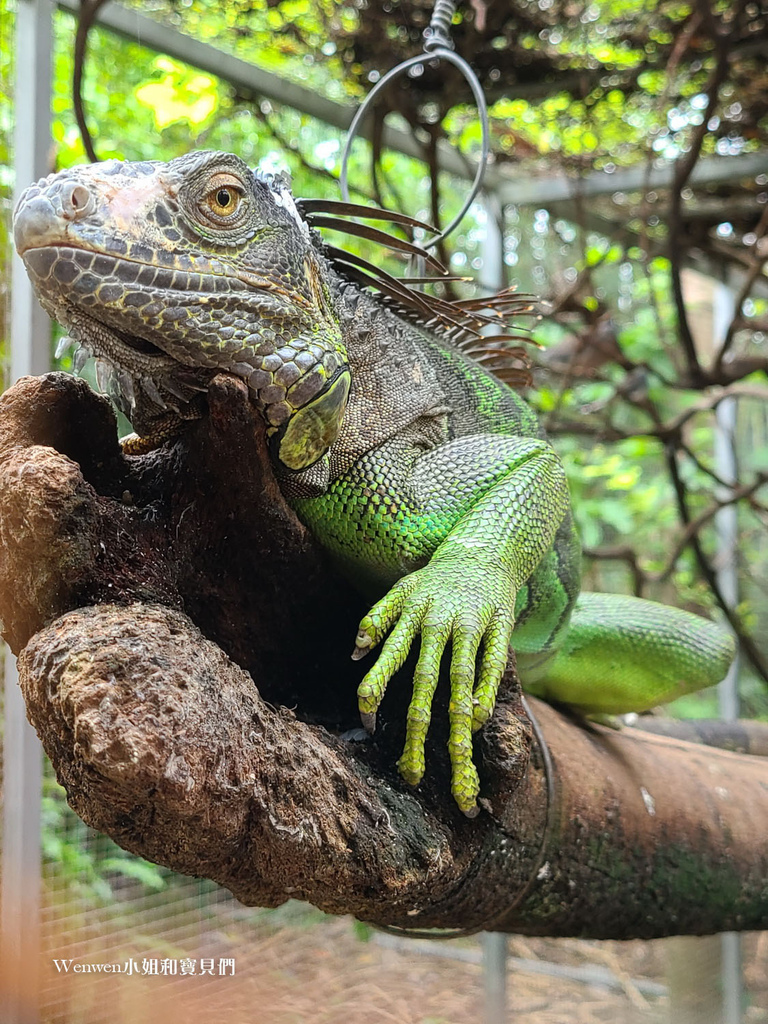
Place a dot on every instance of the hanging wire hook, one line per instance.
(437, 46)
(438, 32)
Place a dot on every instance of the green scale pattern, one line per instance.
(391, 511)
(455, 532)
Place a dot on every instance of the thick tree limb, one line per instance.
(742, 737)
(110, 568)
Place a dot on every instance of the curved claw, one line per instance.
(368, 720)
(363, 646)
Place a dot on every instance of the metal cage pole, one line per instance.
(492, 279)
(727, 529)
(30, 353)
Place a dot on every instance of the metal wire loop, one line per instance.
(439, 52)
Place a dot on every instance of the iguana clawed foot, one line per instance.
(165, 428)
(446, 603)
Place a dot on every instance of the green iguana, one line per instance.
(425, 476)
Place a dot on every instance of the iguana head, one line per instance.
(171, 271)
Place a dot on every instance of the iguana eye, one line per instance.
(222, 196)
(224, 200)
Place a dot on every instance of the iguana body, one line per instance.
(426, 477)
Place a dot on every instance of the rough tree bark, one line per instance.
(184, 654)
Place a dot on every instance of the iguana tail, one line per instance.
(624, 654)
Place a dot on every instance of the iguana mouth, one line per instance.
(127, 351)
(131, 370)
(137, 344)
(79, 286)
(57, 269)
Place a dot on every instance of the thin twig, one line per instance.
(695, 525)
(627, 554)
(88, 11)
(749, 280)
(683, 168)
(701, 466)
(708, 402)
(689, 28)
(622, 553)
(747, 643)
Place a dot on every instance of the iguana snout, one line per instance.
(43, 213)
(170, 272)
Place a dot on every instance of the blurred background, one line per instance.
(627, 192)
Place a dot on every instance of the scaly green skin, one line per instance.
(424, 476)
(607, 635)
(478, 514)
(471, 543)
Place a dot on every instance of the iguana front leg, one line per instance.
(473, 517)
(467, 604)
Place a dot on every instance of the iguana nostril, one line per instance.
(34, 223)
(76, 201)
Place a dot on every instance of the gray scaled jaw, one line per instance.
(66, 279)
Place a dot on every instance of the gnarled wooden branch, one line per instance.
(125, 581)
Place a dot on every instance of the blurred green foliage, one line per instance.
(93, 867)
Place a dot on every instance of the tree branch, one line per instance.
(755, 271)
(88, 11)
(627, 554)
(164, 741)
(167, 746)
(683, 169)
(693, 526)
(622, 553)
(746, 642)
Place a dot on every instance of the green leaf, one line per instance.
(148, 874)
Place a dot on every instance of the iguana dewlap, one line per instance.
(426, 477)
